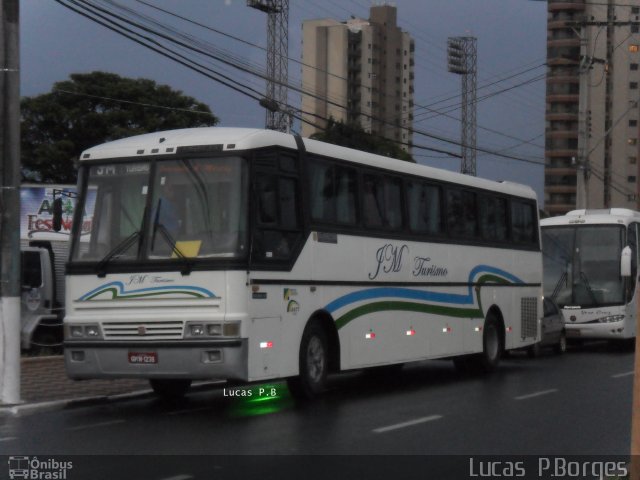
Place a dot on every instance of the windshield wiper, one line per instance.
(585, 280)
(187, 265)
(558, 287)
(119, 248)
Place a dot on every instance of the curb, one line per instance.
(27, 408)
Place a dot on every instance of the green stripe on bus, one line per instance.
(407, 307)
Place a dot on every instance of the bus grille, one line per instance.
(142, 330)
(529, 317)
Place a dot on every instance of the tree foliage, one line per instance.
(353, 136)
(93, 108)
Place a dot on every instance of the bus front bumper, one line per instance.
(607, 331)
(196, 360)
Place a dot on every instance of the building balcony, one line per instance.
(558, 208)
(562, 133)
(563, 79)
(559, 171)
(565, 6)
(560, 189)
(559, 24)
(563, 98)
(558, 61)
(563, 42)
(560, 153)
(562, 117)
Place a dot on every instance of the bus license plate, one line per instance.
(143, 357)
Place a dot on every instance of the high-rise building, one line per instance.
(592, 105)
(359, 71)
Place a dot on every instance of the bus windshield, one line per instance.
(582, 265)
(182, 208)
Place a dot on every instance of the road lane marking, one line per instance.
(409, 423)
(536, 394)
(8, 439)
(96, 425)
(625, 374)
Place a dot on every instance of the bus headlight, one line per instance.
(196, 330)
(611, 319)
(213, 329)
(89, 330)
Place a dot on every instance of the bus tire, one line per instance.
(170, 389)
(313, 364)
(492, 345)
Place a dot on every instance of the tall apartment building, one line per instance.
(359, 71)
(592, 111)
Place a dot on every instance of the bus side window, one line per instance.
(523, 223)
(277, 217)
(424, 208)
(461, 214)
(373, 201)
(493, 217)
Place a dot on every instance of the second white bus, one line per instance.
(253, 255)
(591, 270)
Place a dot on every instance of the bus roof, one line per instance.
(236, 139)
(600, 216)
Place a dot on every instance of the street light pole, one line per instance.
(9, 203)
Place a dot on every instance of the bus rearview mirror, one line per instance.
(625, 262)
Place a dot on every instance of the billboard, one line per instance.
(36, 211)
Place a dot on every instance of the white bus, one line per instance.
(590, 271)
(251, 255)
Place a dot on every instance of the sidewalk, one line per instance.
(43, 379)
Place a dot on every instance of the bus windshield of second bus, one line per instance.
(582, 265)
(590, 265)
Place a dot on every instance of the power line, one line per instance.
(225, 80)
(332, 74)
(140, 104)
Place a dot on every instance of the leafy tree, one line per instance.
(93, 108)
(353, 136)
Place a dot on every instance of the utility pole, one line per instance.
(586, 64)
(276, 99)
(9, 203)
(462, 60)
(584, 124)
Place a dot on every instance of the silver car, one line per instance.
(553, 332)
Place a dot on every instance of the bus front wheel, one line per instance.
(313, 364)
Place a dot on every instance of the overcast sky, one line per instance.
(56, 42)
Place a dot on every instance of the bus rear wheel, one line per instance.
(313, 364)
(492, 346)
(170, 389)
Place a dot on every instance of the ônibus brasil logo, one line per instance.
(33, 468)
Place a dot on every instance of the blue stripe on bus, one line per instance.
(408, 293)
(122, 291)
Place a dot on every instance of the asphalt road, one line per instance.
(575, 404)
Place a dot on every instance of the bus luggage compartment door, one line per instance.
(264, 347)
